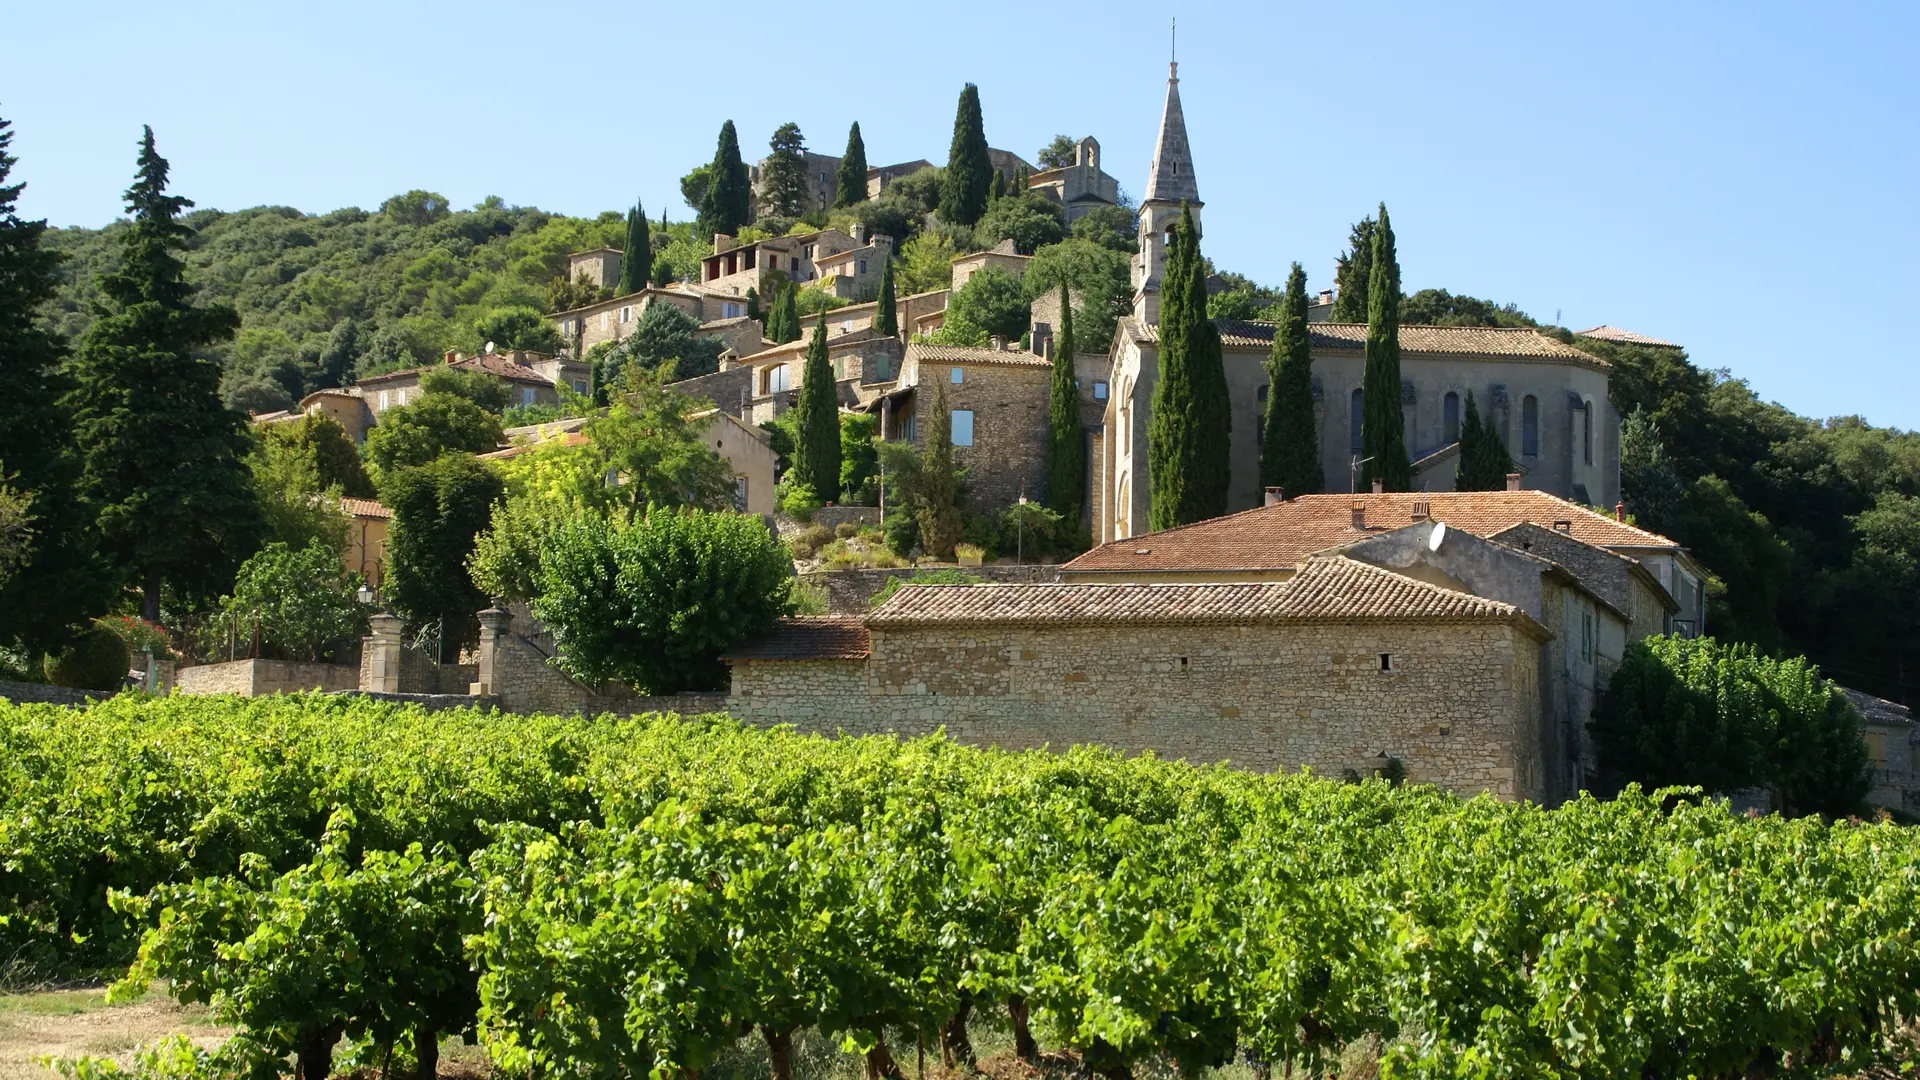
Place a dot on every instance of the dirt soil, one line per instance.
(79, 1023)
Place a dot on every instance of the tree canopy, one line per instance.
(783, 176)
(850, 183)
(726, 206)
(969, 171)
(991, 304)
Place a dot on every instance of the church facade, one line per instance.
(1547, 399)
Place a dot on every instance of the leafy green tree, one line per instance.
(57, 585)
(163, 458)
(517, 327)
(859, 457)
(1438, 307)
(1353, 276)
(1098, 275)
(299, 508)
(487, 391)
(727, 205)
(933, 485)
(321, 439)
(439, 508)
(991, 304)
(1057, 154)
(636, 261)
(1289, 446)
(969, 172)
(654, 600)
(783, 178)
(416, 433)
(654, 442)
(417, 207)
(1190, 420)
(1111, 227)
(1031, 221)
(694, 185)
(851, 181)
(1066, 432)
(886, 319)
(753, 306)
(16, 528)
(665, 340)
(1649, 485)
(926, 264)
(1484, 462)
(1383, 423)
(816, 458)
(298, 599)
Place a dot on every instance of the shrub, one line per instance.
(298, 598)
(800, 502)
(97, 660)
(846, 529)
(816, 536)
(901, 531)
(802, 551)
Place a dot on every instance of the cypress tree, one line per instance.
(783, 325)
(969, 175)
(885, 319)
(1188, 425)
(162, 464)
(636, 264)
(1383, 423)
(851, 181)
(753, 304)
(728, 203)
(998, 189)
(1351, 276)
(49, 597)
(816, 453)
(1289, 449)
(1066, 433)
(1484, 463)
(936, 489)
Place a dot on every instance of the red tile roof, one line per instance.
(1623, 337)
(1328, 589)
(1523, 341)
(967, 354)
(1281, 536)
(364, 508)
(817, 637)
(565, 438)
(495, 364)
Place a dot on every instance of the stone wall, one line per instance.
(1459, 704)
(731, 391)
(21, 693)
(432, 702)
(849, 591)
(514, 672)
(828, 517)
(1009, 406)
(257, 678)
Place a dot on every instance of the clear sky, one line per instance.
(1737, 177)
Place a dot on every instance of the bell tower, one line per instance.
(1170, 182)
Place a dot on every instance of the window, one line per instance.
(795, 260)
(383, 399)
(1355, 413)
(863, 266)
(963, 427)
(605, 317)
(1586, 636)
(626, 314)
(1260, 417)
(1450, 417)
(907, 428)
(846, 326)
(882, 368)
(1586, 433)
(740, 494)
(729, 310)
(579, 386)
(1386, 661)
(776, 379)
(1099, 391)
(1530, 426)
(809, 251)
(955, 375)
(526, 395)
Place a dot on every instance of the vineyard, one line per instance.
(346, 882)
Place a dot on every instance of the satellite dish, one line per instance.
(1438, 534)
(489, 346)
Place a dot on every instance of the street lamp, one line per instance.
(364, 594)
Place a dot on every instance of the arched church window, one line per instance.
(1450, 417)
(1354, 415)
(1586, 432)
(1530, 426)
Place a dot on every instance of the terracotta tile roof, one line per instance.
(818, 637)
(1623, 337)
(495, 364)
(1280, 536)
(1444, 340)
(966, 354)
(567, 438)
(799, 346)
(364, 508)
(715, 324)
(1329, 588)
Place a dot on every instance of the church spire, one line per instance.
(1170, 179)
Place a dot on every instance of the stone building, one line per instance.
(1081, 186)
(854, 274)
(734, 267)
(1001, 255)
(531, 379)
(1344, 669)
(1893, 752)
(616, 317)
(1547, 400)
(822, 172)
(997, 400)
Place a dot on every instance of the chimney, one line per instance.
(1620, 511)
(1379, 487)
(1326, 296)
(996, 344)
(1276, 495)
(1513, 481)
(1564, 525)
(1042, 337)
(859, 233)
(1422, 511)
(1359, 514)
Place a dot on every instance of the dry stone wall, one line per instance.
(849, 592)
(1458, 703)
(255, 678)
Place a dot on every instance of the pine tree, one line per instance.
(728, 203)
(636, 263)
(162, 464)
(783, 179)
(937, 488)
(885, 319)
(1289, 449)
(1484, 463)
(1189, 423)
(1066, 432)
(1351, 275)
(1383, 423)
(851, 181)
(49, 598)
(969, 175)
(816, 452)
(998, 189)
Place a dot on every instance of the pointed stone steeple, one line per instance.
(1171, 177)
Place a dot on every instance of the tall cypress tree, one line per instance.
(728, 203)
(636, 262)
(59, 586)
(816, 452)
(1289, 449)
(1383, 423)
(1484, 463)
(851, 182)
(969, 175)
(753, 304)
(1351, 275)
(162, 464)
(885, 319)
(936, 489)
(1066, 433)
(783, 322)
(1189, 423)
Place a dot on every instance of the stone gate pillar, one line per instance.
(380, 654)
(493, 627)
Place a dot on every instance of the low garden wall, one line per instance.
(828, 517)
(257, 678)
(515, 671)
(21, 693)
(848, 591)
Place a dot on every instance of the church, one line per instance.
(1547, 399)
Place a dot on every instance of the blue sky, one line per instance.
(1736, 177)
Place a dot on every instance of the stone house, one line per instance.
(531, 379)
(613, 319)
(823, 180)
(735, 267)
(744, 448)
(862, 360)
(854, 274)
(1893, 752)
(1001, 255)
(1078, 187)
(1344, 669)
(906, 309)
(368, 523)
(599, 267)
(997, 399)
(879, 178)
